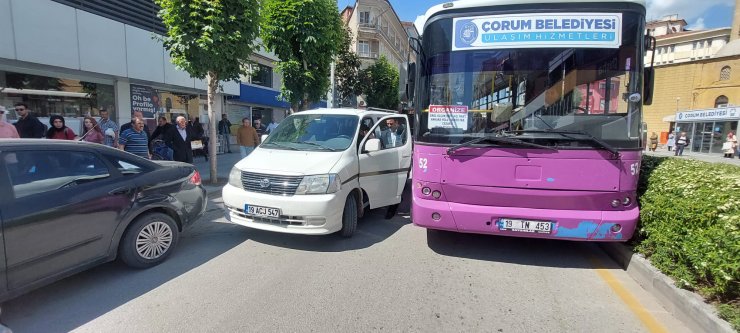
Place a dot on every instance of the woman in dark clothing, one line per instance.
(59, 130)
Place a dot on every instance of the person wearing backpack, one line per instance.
(59, 130)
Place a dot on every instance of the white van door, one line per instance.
(385, 158)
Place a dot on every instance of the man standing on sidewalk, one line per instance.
(109, 129)
(28, 126)
(247, 138)
(7, 130)
(224, 129)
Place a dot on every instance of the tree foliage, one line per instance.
(210, 39)
(210, 35)
(380, 83)
(347, 70)
(305, 35)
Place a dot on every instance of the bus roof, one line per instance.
(480, 3)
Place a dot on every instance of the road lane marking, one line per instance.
(630, 300)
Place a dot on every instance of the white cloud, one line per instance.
(698, 25)
(419, 23)
(689, 10)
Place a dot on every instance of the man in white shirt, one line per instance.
(272, 126)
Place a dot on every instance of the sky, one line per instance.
(700, 14)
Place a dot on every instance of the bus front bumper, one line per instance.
(614, 226)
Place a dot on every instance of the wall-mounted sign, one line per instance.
(561, 30)
(728, 113)
(145, 100)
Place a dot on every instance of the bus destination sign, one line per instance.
(579, 30)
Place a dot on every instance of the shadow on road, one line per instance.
(521, 251)
(74, 301)
(373, 228)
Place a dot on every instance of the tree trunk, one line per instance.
(212, 81)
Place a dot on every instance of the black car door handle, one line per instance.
(120, 190)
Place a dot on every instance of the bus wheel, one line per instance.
(349, 216)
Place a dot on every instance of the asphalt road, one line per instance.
(392, 276)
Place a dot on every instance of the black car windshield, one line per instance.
(314, 132)
(527, 91)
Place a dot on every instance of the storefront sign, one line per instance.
(591, 30)
(448, 116)
(709, 114)
(145, 100)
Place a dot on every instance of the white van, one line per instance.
(318, 170)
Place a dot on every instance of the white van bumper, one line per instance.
(318, 214)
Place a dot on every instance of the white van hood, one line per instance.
(289, 162)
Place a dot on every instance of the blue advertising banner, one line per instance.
(561, 30)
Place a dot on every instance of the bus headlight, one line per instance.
(319, 184)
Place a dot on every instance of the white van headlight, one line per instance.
(319, 184)
(235, 178)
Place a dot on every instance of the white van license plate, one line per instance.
(261, 211)
(538, 227)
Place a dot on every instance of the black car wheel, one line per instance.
(149, 240)
(349, 216)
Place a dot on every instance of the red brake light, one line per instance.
(195, 178)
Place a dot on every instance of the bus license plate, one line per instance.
(538, 227)
(261, 211)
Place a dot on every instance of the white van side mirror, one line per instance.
(264, 137)
(372, 145)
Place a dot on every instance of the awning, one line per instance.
(669, 119)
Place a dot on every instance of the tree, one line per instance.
(381, 85)
(347, 70)
(210, 39)
(305, 35)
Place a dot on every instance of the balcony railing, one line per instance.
(371, 55)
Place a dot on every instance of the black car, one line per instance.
(66, 206)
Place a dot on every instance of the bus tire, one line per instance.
(349, 216)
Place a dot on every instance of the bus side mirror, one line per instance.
(648, 80)
(410, 81)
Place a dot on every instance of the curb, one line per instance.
(687, 306)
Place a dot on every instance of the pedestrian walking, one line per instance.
(682, 140)
(109, 128)
(92, 132)
(59, 129)
(671, 141)
(247, 138)
(7, 130)
(28, 126)
(224, 130)
(730, 145)
(653, 141)
(273, 125)
(134, 140)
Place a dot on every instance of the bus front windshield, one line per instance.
(532, 93)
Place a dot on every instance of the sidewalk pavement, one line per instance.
(711, 158)
(224, 164)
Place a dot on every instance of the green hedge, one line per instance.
(690, 226)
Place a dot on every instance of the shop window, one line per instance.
(47, 96)
(724, 74)
(262, 75)
(721, 101)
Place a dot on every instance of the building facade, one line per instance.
(377, 32)
(72, 58)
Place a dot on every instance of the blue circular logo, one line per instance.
(469, 33)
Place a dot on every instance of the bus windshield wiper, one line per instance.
(497, 139)
(590, 137)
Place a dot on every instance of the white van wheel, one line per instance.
(349, 216)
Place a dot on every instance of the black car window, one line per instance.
(125, 166)
(33, 172)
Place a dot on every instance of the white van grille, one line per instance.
(270, 184)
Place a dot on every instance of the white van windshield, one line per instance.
(314, 132)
